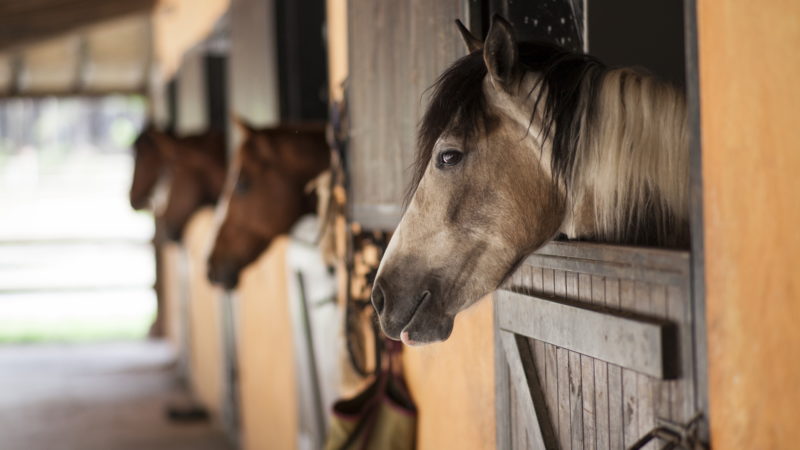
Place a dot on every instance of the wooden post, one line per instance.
(751, 160)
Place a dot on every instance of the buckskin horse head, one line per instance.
(521, 142)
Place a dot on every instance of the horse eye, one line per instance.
(449, 157)
(242, 185)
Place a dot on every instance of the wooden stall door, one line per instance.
(206, 349)
(397, 50)
(594, 347)
(267, 377)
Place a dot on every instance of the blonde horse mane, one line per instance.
(618, 140)
(632, 156)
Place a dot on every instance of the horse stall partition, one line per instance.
(206, 351)
(600, 346)
(595, 347)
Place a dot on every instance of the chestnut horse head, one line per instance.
(147, 169)
(197, 166)
(266, 194)
(520, 142)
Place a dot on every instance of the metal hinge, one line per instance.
(676, 436)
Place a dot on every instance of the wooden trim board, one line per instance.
(639, 344)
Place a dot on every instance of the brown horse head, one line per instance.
(148, 168)
(197, 166)
(521, 142)
(266, 194)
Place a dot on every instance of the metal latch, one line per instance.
(676, 435)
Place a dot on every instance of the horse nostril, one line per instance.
(173, 233)
(211, 272)
(378, 298)
(224, 274)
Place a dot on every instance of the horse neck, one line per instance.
(630, 178)
(215, 181)
(319, 162)
(310, 151)
(217, 164)
(309, 202)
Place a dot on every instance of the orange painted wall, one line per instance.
(265, 349)
(206, 358)
(336, 18)
(266, 357)
(171, 279)
(750, 94)
(453, 384)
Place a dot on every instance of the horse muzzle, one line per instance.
(414, 316)
(224, 274)
(173, 233)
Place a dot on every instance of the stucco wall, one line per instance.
(266, 358)
(205, 355)
(749, 63)
(453, 384)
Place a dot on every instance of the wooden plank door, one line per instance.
(397, 50)
(594, 347)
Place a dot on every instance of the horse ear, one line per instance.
(243, 125)
(260, 145)
(470, 40)
(500, 53)
(166, 144)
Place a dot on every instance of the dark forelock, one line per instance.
(458, 103)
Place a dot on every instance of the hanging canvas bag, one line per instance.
(383, 416)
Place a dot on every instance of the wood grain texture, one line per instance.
(397, 50)
(528, 432)
(254, 93)
(749, 97)
(646, 420)
(600, 375)
(615, 439)
(192, 95)
(633, 343)
(630, 385)
(30, 21)
(562, 371)
(573, 379)
(587, 375)
(593, 403)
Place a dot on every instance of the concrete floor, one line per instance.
(108, 396)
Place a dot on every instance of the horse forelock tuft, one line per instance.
(458, 104)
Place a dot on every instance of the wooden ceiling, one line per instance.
(23, 22)
(89, 47)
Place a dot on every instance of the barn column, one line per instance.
(751, 159)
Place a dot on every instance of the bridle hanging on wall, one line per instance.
(361, 252)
